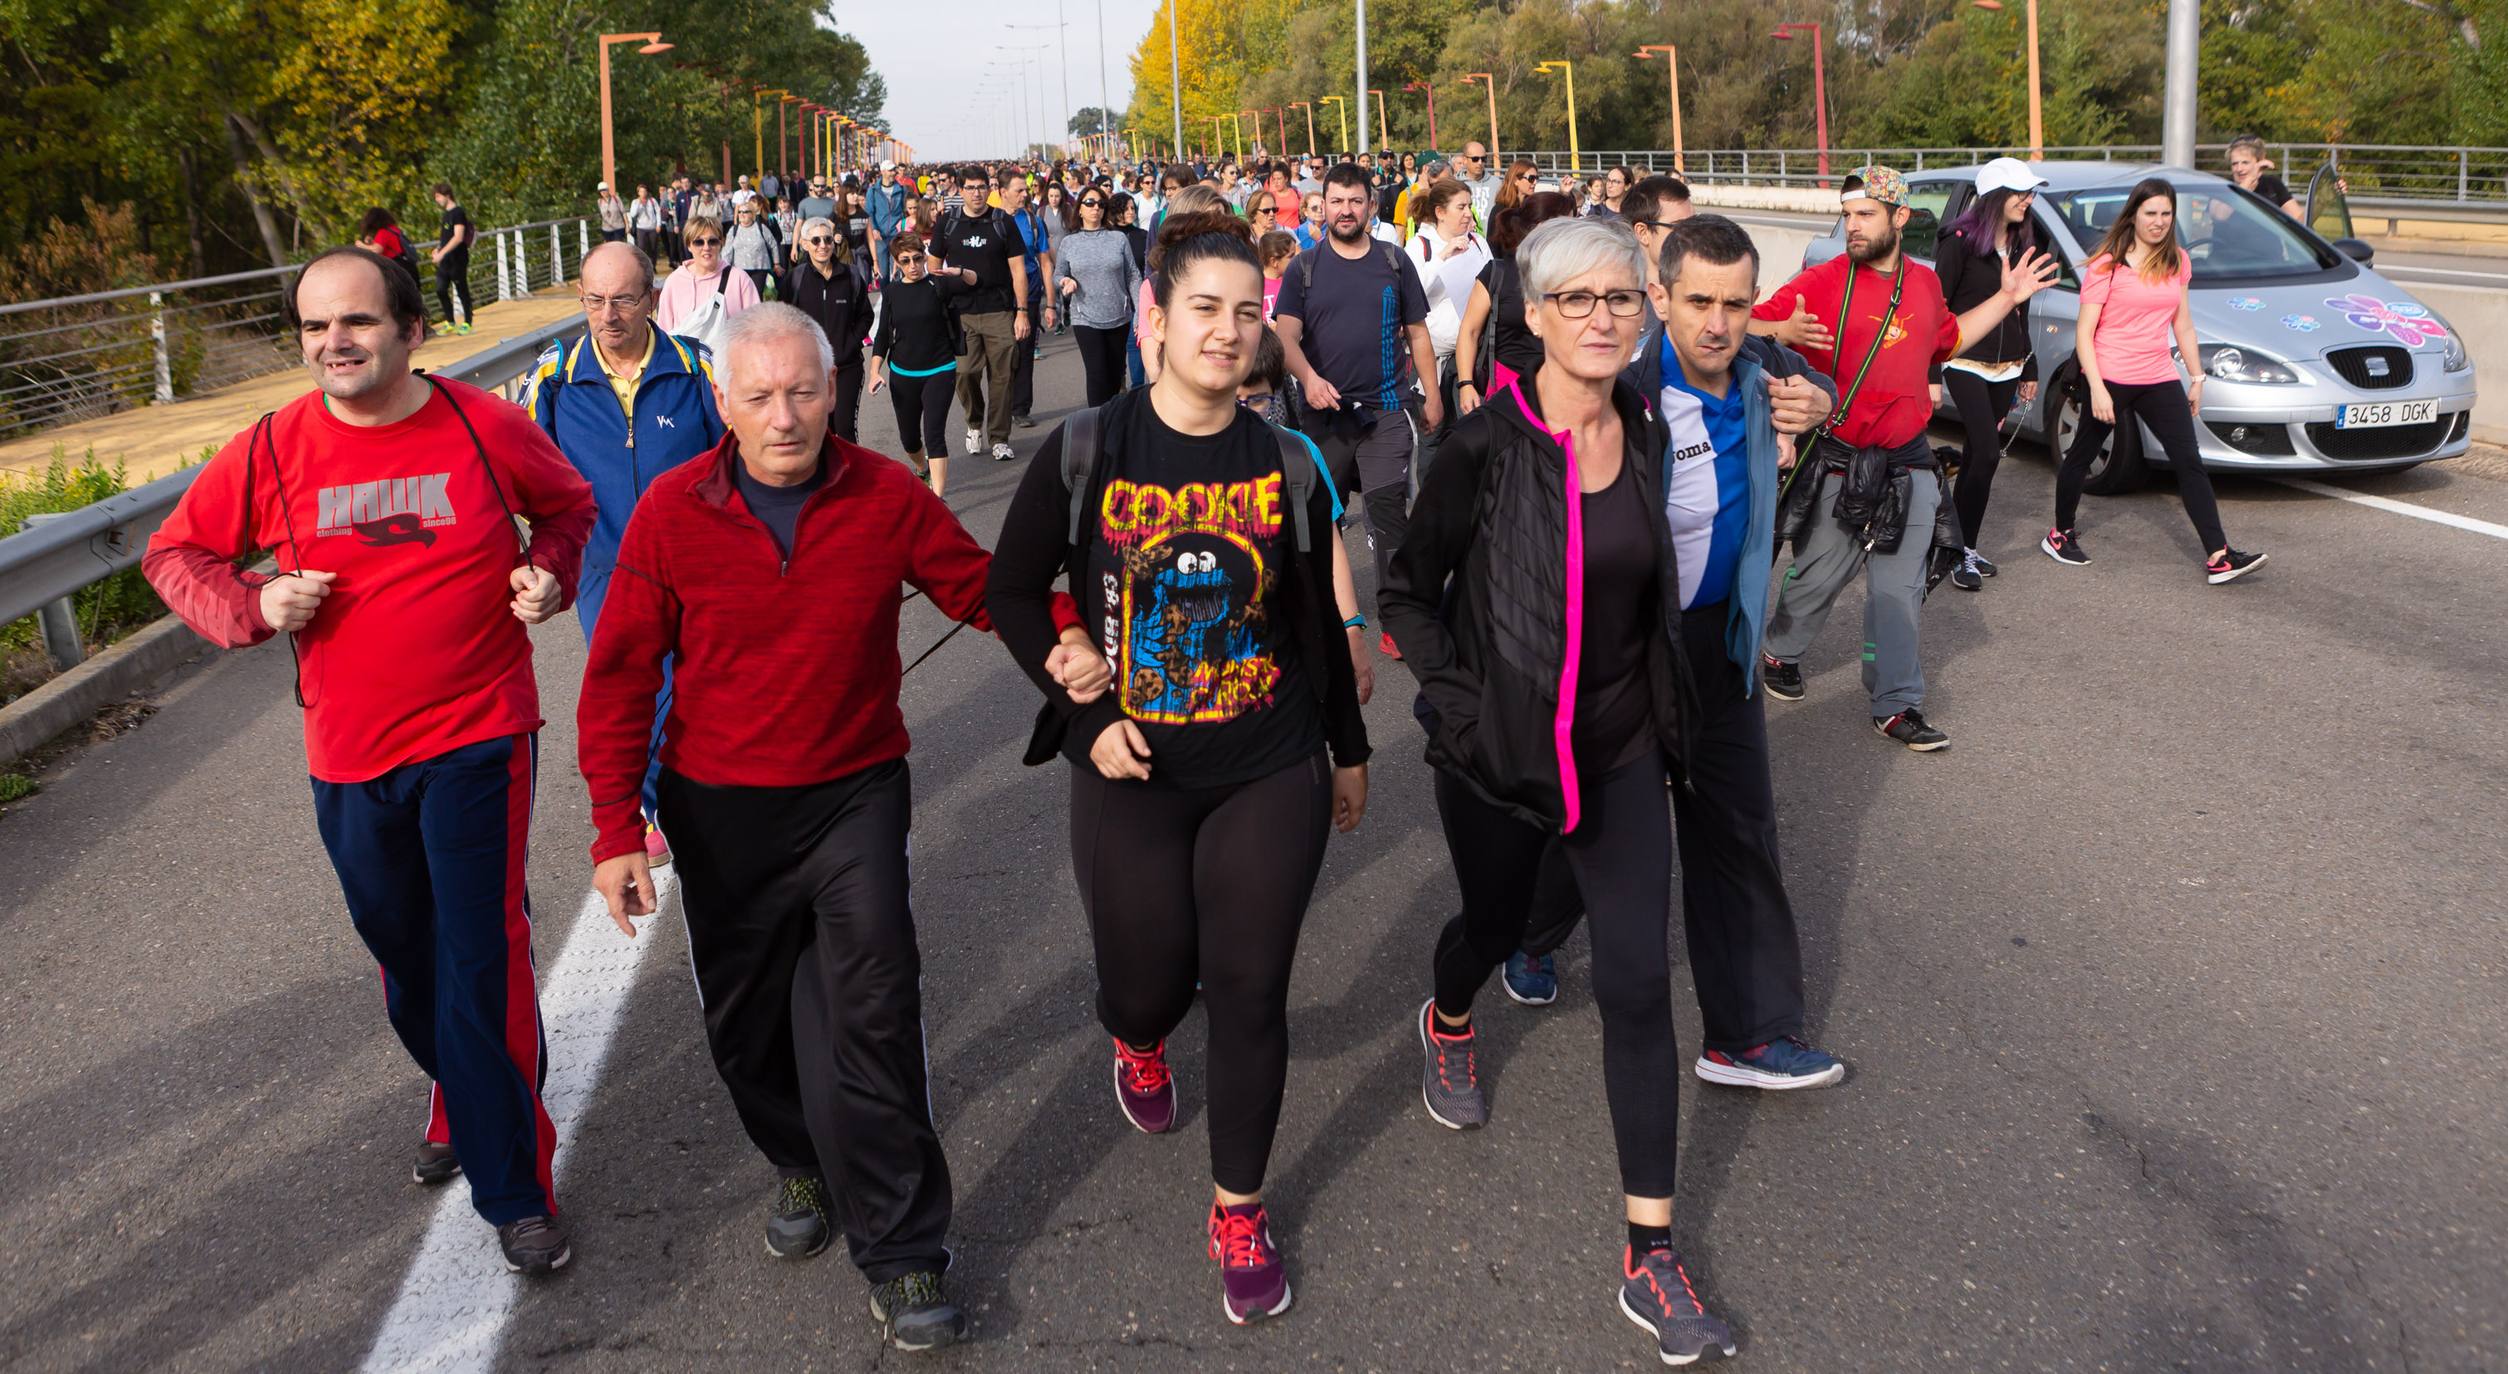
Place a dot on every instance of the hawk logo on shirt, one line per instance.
(395, 510)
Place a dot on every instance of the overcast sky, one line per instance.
(933, 55)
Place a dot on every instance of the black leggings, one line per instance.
(1209, 885)
(1982, 406)
(2162, 406)
(923, 411)
(1101, 359)
(1622, 858)
(452, 278)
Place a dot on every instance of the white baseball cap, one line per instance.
(600, 186)
(888, 164)
(2008, 174)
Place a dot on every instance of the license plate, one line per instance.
(2374, 414)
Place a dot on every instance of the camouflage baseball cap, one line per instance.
(1875, 182)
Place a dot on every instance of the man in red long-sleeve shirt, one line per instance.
(767, 573)
(390, 498)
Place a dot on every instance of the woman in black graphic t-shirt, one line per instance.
(1200, 786)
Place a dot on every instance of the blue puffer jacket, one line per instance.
(675, 421)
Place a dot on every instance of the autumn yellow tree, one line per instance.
(365, 84)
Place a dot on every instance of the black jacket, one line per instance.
(1477, 598)
(1968, 281)
(837, 302)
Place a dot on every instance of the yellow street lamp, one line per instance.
(1575, 151)
(1384, 133)
(757, 122)
(1341, 106)
(1672, 64)
(609, 144)
(2037, 124)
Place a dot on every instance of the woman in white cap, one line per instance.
(1997, 365)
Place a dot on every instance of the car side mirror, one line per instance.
(2356, 250)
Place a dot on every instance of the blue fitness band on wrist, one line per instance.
(1356, 622)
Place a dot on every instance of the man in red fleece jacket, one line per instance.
(390, 498)
(767, 572)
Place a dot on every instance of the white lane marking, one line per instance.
(457, 1297)
(2435, 517)
(2404, 272)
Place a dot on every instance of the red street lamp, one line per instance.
(1490, 84)
(1672, 61)
(1432, 109)
(652, 43)
(1819, 87)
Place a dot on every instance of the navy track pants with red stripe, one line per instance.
(430, 857)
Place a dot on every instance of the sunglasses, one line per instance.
(1529, 179)
(818, 241)
(909, 257)
(1092, 204)
(704, 243)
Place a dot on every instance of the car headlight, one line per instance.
(2231, 363)
(2456, 359)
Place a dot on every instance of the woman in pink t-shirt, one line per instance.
(2133, 305)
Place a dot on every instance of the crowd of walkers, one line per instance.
(1571, 423)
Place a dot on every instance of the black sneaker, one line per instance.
(1024, 421)
(435, 1164)
(915, 1313)
(796, 1227)
(1908, 727)
(1655, 1293)
(2064, 546)
(1783, 680)
(534, 1245)
(1984, 564)
(2231, 566)
(1968, 577)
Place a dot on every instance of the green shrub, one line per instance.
(109, 609)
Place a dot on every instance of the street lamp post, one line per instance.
(1672, 64)
(1488, 83)
(1432, 109)
(1341, 106)
(1819, 88)
(652, 43)
(2037, 124)
(783, 160)
(1280, 117)
(1575, 151)
(1175, 81)
(757, 122)
(1384, 133)
(1309, 107)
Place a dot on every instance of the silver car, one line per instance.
(2314, 362)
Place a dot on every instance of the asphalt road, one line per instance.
(2173, 996)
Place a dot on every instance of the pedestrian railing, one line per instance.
(57, 556)
(78, 357)
(2398, 176)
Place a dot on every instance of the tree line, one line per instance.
(1898, 72)
(148, 139)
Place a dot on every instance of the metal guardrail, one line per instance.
(57, 556)
(2383, 176)
(77, 357)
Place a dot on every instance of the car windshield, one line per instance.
(2230, 235)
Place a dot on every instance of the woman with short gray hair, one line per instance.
(1536, 599)
(822, 285)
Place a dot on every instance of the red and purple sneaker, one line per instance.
(1785, 1062)
(1144, 1088)
(1256, 1283)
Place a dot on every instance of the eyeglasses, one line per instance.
(602, 305)
(1576, 305)
(704, 243)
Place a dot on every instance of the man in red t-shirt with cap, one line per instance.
(390, 499)
(1878, 324)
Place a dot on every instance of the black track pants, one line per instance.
(1208, 885)
(806, 965)
(1982, 405)
(1623, 870)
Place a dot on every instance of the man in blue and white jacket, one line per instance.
(1732, 402)
(625, 403)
